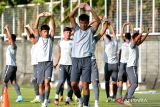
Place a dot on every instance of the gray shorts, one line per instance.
(35, 72)
(64, 72)
(81, 67)
(45, 70)
(111, 70)
(122, 74)
(94, 71)
(9, 73)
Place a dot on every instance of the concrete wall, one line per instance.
(149, 60)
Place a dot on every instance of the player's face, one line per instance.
(45, 33)
(83, 24)
(67, 35)
(9, 41)
(33, 40)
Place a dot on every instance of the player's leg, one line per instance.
(107, 75)
(86, 79)
(95, 81)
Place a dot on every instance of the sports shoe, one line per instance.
(36, 100)
(127, 103)
(108, 99)
(44, 105)
(66, 102)
(56, 101)
(80, 104)
(120, 100)
(96, 104)
(19, 99)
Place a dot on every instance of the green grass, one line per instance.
(149, 100)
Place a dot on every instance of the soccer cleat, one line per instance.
(67, 103)
(61, 98)
(56, 101)
(108, 99)
(44, 105)
(19, 99)
(127, 103)
(120, 100)
(36, 100)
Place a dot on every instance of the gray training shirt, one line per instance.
(11, 55)
(133, 54)
(82, 42)
(111, 48)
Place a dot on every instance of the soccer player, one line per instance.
(65, 65)
(111, 63)
(11, 66)
(124, 54)
(34, 62)
(44, 56)
(81, 51)
(94, 68)
(136, 40)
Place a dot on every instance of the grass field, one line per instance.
(145, 100)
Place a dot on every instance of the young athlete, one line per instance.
(94, 68)
(111, 63)
(132, 62)
(11, 66)
(44, 56)
(34, 62)
(124, 54)
(81, 51)
(65, 65)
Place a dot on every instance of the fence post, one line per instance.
(1, 55)
(24, 58)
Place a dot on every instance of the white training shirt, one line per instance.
(82, 42)
(133, 54)
(66, 50)
(111, 48)
(34, 54)
(11, 55)
(45, 48)
(124, 52)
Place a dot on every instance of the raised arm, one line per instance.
(122, 30)
(112, 30)
(144, 37)
(29, 30)
(95, 25)
(58, 57)
(72, 14)
(8, 34)
(36, 31)
(52, 25)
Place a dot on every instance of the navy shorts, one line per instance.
(122, 74)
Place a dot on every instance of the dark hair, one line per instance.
(31, 36)
(84, 17)
(45, 27)
(13, 36)
(67, 29)
(109, 37)
(128, 35)
(135, 34)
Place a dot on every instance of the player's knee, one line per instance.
(135, 85)
(74, 85)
